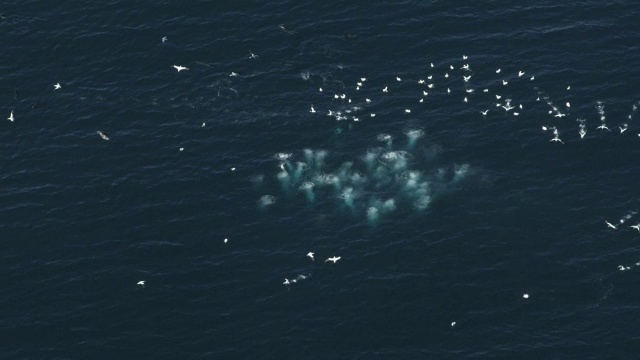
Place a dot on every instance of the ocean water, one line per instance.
(443, 218)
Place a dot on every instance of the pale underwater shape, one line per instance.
(405, 178)
(266, 200)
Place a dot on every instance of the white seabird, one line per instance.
(180, 68)
(312, 109)
(310, 254)
(57, 86)
(610, 225)
(140, 283)
(103, 136)
(164, 39)
(11, 118)
(334, 259)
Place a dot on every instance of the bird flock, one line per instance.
(619, 226)
(493, 95)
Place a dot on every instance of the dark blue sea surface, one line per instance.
(443, 218)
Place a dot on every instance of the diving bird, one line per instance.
(57, 86)
(310, 254)
(103, 136)
(180, 68)
(610, 225)
(334, 259)
(11, 118)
